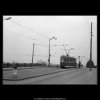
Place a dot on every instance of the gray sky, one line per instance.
(71, 30)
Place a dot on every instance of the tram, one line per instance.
(67, 62)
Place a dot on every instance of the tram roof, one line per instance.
(67, 56)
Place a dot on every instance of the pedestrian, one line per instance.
(79, 64)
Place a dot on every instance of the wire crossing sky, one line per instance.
(20, 32)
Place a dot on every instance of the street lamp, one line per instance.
(49, 49)
(8, 18)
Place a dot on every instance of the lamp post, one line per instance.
(49, 49)
(8, 18)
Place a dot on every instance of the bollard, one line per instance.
(15, 74)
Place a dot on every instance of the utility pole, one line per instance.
(32, 53)
(49, 53)
(91, 47)
(90, 63)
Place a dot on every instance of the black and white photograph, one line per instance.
(49, 50)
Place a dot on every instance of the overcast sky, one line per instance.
(19, 31)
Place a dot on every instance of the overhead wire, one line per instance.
(29, 29)
(15, 33)
(35, 43)
(32, 39)
(43, 56)
(33, 32)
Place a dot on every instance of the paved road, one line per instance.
(78, 76)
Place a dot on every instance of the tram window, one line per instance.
(73, 60)
(67, 60)
(62, 60)
(70, 59)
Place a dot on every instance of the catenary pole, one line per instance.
(91, 46)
